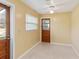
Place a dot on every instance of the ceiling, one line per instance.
(44, 6)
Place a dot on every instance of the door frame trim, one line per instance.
(50, 29)
(12, 27)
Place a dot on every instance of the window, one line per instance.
(31, 23)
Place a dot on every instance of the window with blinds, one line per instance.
(31, 23)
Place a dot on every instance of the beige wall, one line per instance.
(23, 40)
(60, 27)
(75, 28)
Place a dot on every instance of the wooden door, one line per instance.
(4, 32)
(46, 30)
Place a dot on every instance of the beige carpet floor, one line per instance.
(48, 51)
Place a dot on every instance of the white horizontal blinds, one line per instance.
(31, 23)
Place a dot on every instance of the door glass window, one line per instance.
(45, 24)
(2, 23)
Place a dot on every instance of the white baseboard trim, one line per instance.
(63, 44)
(28, 51)
(75, 50)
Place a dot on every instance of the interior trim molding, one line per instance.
(28, 51)
(63, 44)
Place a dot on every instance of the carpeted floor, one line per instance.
(48, 51)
